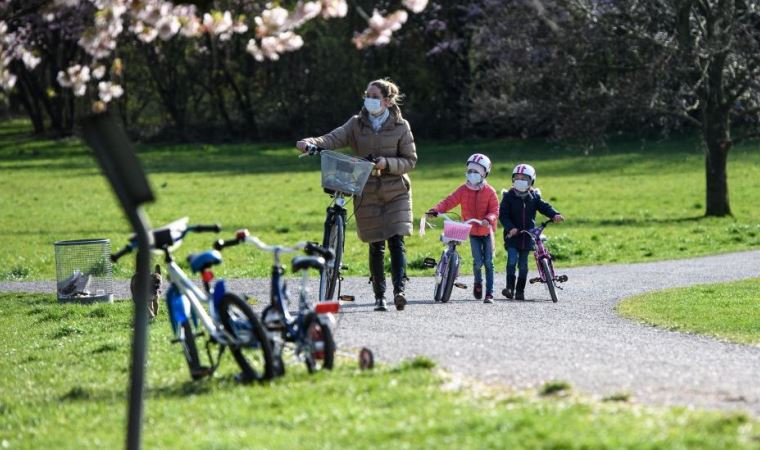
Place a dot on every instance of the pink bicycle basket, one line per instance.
(456, 231)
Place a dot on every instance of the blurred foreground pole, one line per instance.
(116, 156)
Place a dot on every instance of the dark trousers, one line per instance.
(377, 265)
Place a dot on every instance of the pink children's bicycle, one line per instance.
(544, 262)
(447, 267)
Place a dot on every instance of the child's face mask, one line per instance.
(521, 185)
(474, 178)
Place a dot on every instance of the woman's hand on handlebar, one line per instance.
(558, 218)
(381, 163)
(432, 213)
(301, 145)
(512, 232)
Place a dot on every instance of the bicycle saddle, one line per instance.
(202, 261)
(307, 262)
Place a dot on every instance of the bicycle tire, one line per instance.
(241, 322)
(450, 276)
(316, 327)
(335, 240)
(277, 343)
(438, 290)
(190, 350)
(546, 266)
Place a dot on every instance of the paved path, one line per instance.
(580, 339)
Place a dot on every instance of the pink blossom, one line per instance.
(334, 8)
(75, 77)
(271, 21)
(7, 79)
(380, 29)
(99, 71)
(167, 27)
(415, 6)
(30, 61)
(108, 91)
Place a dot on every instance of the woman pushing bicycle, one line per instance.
(384, 210)
(479, 201)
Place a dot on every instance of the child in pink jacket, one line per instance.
(479, 201)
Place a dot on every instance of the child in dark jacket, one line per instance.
(478, 201)
(517, 212)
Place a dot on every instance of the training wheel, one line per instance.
(366, 359)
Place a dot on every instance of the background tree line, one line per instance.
(549, 68)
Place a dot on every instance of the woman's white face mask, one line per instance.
(373, 105)
(521, 185)
(474, 178)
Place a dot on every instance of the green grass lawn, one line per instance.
(64, 375)
(728, 311)
(632, 202)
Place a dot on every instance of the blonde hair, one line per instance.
(390, 90)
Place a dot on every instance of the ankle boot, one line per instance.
(520, 293)
(509, 292)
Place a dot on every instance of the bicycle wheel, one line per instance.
(438, 291)
(328, 280)
(546, 266)
(450, 276)
(252, 350)
(275, 331)
(318, 344)
(190, 350)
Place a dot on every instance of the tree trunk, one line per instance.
(717, 144)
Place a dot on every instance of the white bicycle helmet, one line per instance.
(481, 160)
(525, 169)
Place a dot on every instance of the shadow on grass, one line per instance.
(440, 159)
(639, 222)
(180, 390)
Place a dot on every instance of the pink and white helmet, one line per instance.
(525, 169)
(481, 160)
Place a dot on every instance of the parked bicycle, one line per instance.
(447, 267)
(308, 330)
(230, 321)
(544, 261)
(342, 176)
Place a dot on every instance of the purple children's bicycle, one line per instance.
(544, 262)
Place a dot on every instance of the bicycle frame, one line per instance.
(189, 297)
(541, 253)
(293, 325)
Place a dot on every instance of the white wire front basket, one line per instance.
(344, 173)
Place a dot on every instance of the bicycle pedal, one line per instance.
(347, 298)
(343, 267)
(562, 278)
(460, 285)
(534, 280)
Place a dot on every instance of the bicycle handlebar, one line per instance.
(312, 248)
(215, 228)
(311, 150)
(127, 249)
(162, 234)
(240, 236)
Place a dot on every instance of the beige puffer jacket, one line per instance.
(385, 207)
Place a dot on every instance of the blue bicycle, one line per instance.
(308, 331)
(230, 321)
